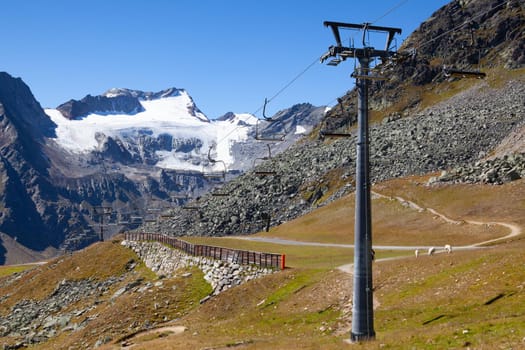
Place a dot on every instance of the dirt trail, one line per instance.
(515, 230)
(167, 330)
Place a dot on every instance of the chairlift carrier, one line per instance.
(217, 192)
(334, 133)
(264, 172)
(260, 136)
(466, 73)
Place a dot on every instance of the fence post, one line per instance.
(283, 261)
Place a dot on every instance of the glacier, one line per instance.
(166, 115)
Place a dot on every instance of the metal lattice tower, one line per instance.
(362, 309)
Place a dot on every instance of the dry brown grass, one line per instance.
(469, 202)
(396, 224)
(99, 261)
(277, 312)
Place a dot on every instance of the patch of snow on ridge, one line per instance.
(300, 130)
(79, 139)
(228, 131)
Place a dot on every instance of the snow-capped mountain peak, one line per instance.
(165, 129)
(177, 134)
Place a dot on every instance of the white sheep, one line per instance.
(431, 250)
(416, 252)
(448, 248)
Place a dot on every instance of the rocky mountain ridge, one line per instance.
(464, 34)
(54, 197)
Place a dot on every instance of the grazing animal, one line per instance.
(431, 250)
(448, 248)
(416, 252)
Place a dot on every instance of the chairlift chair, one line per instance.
(263, 171)
(136, 219)
(334, 61)
(178, 198)
(218, 176)
(193, 205)
(466, 73)
(219, 192)
(123, 219)
(334, 126)
(260, 135)
(166, 216)
(458, 73)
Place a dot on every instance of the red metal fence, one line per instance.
(244, 257)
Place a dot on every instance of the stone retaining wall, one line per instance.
(220, 274)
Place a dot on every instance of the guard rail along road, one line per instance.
(244, 257)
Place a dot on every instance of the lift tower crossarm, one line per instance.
(364, 26)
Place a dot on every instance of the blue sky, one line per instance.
(229, 55)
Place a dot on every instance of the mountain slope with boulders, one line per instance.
(423, 121)
(458, 132)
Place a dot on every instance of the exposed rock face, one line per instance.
(485, 30)
(117, 101)
(121, 104)
(27, 195)
(42, 206)
(466, 35)
(143, 95)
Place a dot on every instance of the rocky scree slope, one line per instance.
(464, 34)
(457, 132)
(491, 171)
